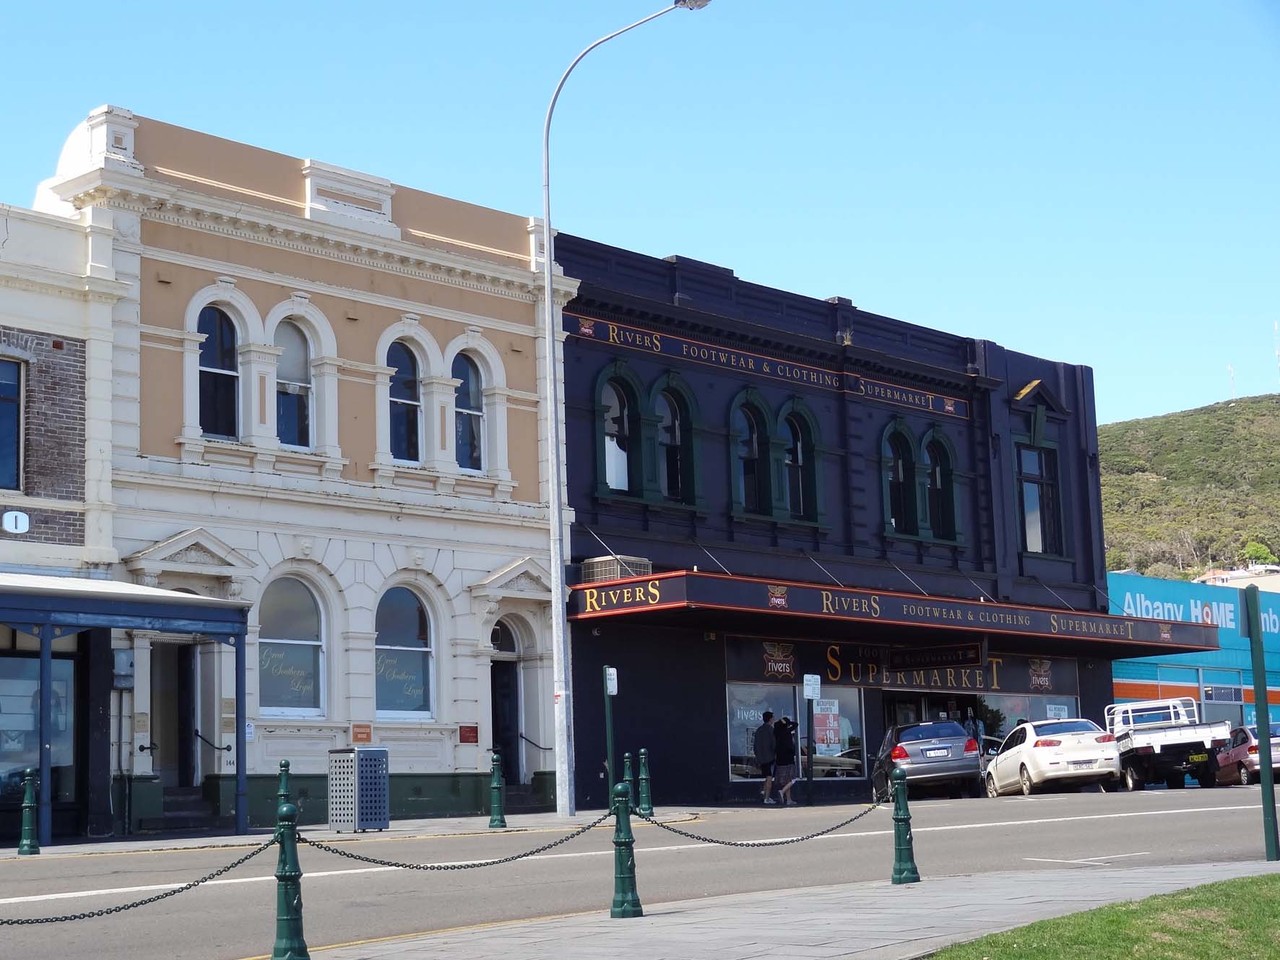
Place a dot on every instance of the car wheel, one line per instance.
(991, 787)
(1243, 777)
(1175, 781)
(1024, 779)
(1207, 779)
(1132, 780)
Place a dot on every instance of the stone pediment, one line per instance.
(1037, 392)
(522, 580)
(195, 551)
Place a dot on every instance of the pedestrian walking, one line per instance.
(766, 753)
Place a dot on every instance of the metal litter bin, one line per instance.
(359, 789)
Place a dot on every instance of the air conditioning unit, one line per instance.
(615, 568)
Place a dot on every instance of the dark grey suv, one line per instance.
(933, 753)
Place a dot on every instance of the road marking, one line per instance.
(1090, 861)
(672, 848)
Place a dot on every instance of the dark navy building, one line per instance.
(768, 487)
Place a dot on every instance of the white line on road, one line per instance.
(693, 845)
(1090, 861)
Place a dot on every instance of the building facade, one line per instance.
(322, 401)
(769, 487)
(1222, 682)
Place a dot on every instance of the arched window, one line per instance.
(290, 648)
(942, 509)
(468, 416)
(900, 474)
(619, 432)
(293, 386)
(402, 664)
(219, 375)
(801, 491)
(406, 403)
(674, 448)
(751, 476)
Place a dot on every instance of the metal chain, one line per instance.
(107, 911)
(454, 866)
(760, 843)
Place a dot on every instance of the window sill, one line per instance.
(416, 476)
(927, 541)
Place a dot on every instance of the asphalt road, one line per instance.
(233, 916)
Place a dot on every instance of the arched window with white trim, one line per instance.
(403, 656)
(219, 375)
(290, 650)
(468, 413)
(293, 386)
(406, 403)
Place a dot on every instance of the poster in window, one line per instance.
(401, 677)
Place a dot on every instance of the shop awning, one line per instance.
(1101, 634)
(50, 606)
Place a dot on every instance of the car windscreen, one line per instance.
(930, 731)
(1066, 726)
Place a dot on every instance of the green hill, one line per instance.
(1191, 490)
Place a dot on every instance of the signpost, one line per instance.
(610, 691)
(812, 692)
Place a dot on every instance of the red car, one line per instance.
(1238, 760)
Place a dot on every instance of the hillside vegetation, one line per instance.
(1192, 490)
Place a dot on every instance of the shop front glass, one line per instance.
(836, 735)
(19, 726)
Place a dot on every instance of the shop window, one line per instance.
(406, 403)
(20, 730)
(619, 431)
(750, 449)
(402, 658)
(219, 375)
(293, 386)
(290, 649)
(1038, 492)
(836, 738)
(10, 425)
(675, 448)
(468, 415)
(941, 492)
(801, 493)
(899, 480)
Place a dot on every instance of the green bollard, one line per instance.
(29, 844)
(282, 794)
(626, 901)
(496, 817)
(904, 864)
(289, 942)
(645, 806)
(628, 776)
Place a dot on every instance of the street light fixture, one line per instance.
(562, 683)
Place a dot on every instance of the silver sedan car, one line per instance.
(933, 753)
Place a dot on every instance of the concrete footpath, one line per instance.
(872, 920)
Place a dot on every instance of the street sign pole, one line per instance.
(1262, 719)
(610, 691)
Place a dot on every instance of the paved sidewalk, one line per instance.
(867, 921)
(872, 920)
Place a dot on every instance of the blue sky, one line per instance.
(1094, 181)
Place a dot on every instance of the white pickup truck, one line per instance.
(1162, 741)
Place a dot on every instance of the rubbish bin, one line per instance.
(359, 789)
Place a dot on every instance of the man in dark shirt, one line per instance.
(766, 753)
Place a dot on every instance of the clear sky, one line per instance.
(1093, 181)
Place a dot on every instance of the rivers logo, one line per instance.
(1041, 674)
(779, 661)
(777, 597)
(586, 328)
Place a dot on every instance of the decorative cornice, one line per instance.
(166, 203)
(71, 286)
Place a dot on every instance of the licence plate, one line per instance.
(1080, 764)
(1198, 757)
(937, 753)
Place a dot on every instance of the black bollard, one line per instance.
(904, 862)
(496, 817)
(29, 843)
(645, 805)
(626, 901)
(290, 944)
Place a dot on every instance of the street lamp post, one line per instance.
(561, 683)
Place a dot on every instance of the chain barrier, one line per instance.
(107, 911)
(467, 865)
(760, 843)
